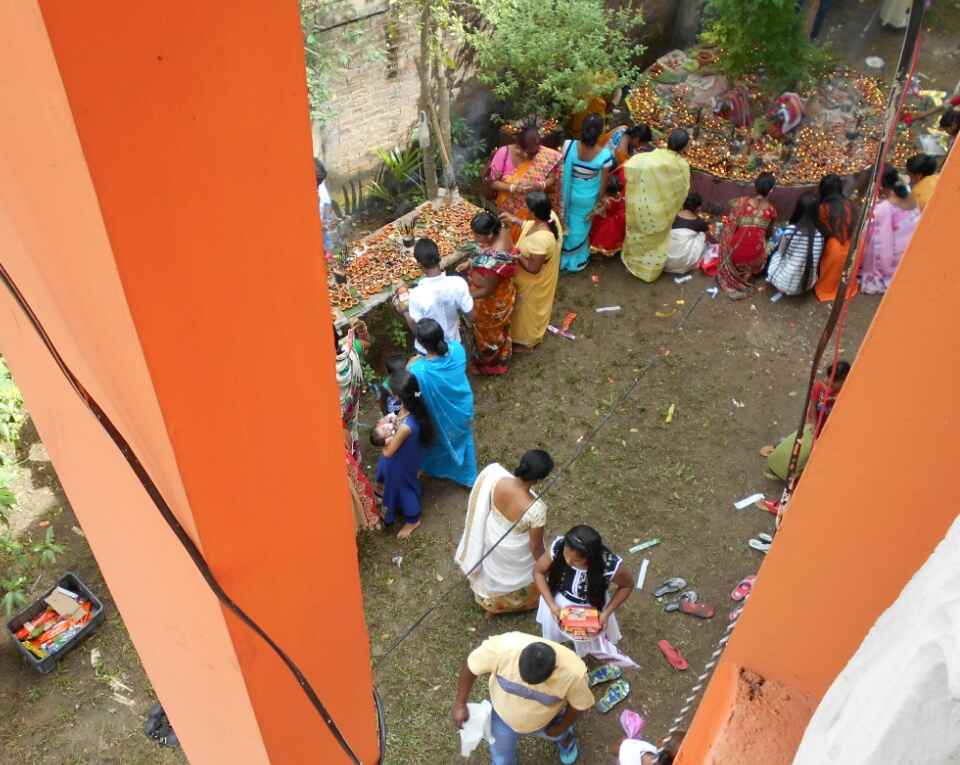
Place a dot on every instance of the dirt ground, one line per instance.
(640, 478)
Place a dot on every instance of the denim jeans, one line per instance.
(503, 751)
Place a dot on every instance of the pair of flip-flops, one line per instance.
(744, 588)
(761, 542)
(675, 584)
(689, 603)
(618, 690)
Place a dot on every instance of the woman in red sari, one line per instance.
(609, 225)
(490, 273)
(743, 245)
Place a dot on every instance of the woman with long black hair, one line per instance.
(578, 570)
(402, 456)
(793, 265)
(442, 375)
(838, 216)
(538, 270)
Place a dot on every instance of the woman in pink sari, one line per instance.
(895, 216)
(521, 167)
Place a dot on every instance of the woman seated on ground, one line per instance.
(688, 237)
(793, 265)
(442, 377)
(490, 273)
(895, 216)
(743, 245)
(922, 169)
(538, 268)
(402, 455)
(578, 570)
(837, 218)
(522, 167)
(505, 516)
(822, 398)
(586, 166)
(609, 225)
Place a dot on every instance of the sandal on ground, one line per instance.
(669, 587)
(763, 536)
(772, 506)
(604, 674)
(700, 610)
(614, 695)
(569, 754)
(766, 451)
(743, 588)
(689, 595)
(673, 655)
(759, 545)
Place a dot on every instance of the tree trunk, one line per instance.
(810, 18)
(444, 128)
(687, 23)
(428, 158)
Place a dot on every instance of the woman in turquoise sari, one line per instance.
(442, 375)
(586, 165)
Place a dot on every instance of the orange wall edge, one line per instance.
(877, 496)
(160, 215)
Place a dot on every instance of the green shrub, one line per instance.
(544, 58)
(766, 38)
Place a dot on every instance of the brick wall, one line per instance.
(375, 100)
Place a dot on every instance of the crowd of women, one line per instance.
(601, 195)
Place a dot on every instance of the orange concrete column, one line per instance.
(878, 493)
(157, 208)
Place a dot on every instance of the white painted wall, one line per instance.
(897, 702)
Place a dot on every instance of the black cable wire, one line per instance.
(161, 504)
(582, 444)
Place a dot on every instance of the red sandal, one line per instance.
(673, 656)
(700, 610)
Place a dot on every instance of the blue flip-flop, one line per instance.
(605, 674)
(614, 695)
(569, 754)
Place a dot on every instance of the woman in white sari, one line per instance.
(503, 581)
(688, 238)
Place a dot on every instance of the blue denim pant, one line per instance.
(503, 751)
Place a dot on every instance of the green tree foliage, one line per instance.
(763, 37)
(544, 57)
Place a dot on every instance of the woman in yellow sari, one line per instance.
(657, 185)
(538, 268)
(522, 167)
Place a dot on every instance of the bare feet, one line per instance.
(407, 530)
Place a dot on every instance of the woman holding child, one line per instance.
(490, 273)
(403, 437)
(505, 516)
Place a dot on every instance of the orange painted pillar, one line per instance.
(877, 496)
(158, 210)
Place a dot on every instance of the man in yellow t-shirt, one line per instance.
(537, 687)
